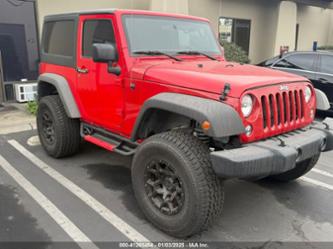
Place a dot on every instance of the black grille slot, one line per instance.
(302, 103)
(271, 107)
(278, 103)
(285, 107)
(291, 106)
(296, 105)
(264, 111)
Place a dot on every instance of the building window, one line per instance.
(236, 31)
(19, 45)
(18, 41)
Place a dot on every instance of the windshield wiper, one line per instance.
(190, 52)
(152, 52)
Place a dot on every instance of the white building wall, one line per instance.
(171, 6)
(315, 24)
(48, 7)
(286, 26)
(262, 13)
(330, 31)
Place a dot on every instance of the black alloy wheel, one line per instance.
(163, 187)
(48, 127)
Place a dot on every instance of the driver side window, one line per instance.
(96, 31)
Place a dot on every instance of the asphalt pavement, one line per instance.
(86, 201)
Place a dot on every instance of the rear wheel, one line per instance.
(175, 185)
(301, 169)
(59, 134)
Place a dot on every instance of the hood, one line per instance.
(210, 76)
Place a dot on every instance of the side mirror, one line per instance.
(104, 52)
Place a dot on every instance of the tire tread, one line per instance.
(69, 129)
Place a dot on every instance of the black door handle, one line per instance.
(322, 80)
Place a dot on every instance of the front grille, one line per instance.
(281, 109)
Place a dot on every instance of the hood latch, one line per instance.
(225, 91)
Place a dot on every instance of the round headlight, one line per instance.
(307, 94)
(247, 105)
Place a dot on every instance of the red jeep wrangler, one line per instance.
(156, 86)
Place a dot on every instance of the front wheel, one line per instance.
(175, 185)
(301, 169)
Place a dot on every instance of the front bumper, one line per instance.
(275, 155)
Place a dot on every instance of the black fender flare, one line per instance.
(224, 119)
(64, 91)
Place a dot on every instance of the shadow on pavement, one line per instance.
(306, 200)
(116, 178)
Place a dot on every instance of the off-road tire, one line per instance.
(67, 139)
(301, 169)
(203, 191)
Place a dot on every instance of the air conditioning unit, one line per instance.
(25, 92)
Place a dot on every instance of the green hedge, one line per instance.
(235, 53)
(326, 48)
(32, 107)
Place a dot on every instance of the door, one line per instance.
(100, 92)
(324, 79)
(303, 64)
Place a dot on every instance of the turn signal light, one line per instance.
(206, 125)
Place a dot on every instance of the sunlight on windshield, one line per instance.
(167, 34)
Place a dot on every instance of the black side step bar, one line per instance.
(108, 140)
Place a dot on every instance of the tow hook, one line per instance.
(327, 127)
(323, 144)
(282, 143)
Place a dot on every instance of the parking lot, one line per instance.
(89, 198)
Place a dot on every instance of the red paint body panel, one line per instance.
(108, 100)
(99, 143)
(213, 75)
(68, 73)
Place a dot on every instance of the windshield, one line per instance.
(169, 35)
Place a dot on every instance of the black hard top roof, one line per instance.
(71, 15)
